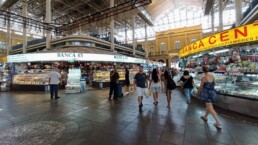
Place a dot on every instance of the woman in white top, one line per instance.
(155, 85)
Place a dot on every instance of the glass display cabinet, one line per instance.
(236, 92)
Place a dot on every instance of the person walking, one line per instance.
(207, 94)
(155, 85)
(162, 78)
(127, 81)
(169, 85)
(188, 85)
(140, 85)
(54, 80)
(114, 80)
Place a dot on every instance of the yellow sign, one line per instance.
(3, 59)
(247, 33)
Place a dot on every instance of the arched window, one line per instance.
(177, 44)
(163, 46)
(193, 39)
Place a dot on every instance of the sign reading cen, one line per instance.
(238, 35)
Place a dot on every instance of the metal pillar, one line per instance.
(112, 27)
(238, 10)
(9, 35)
(212, 20)
(125, 34)
(134, 43)
(146, 41)
(220, 15)
(48, 20)
(24, 14)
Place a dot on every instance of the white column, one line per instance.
(24, 14)
(9, 35)
(112, 27)
(48, 20)
(146, 41)
(134, 43)
(220, 15)
(238, 10)
(212, 20)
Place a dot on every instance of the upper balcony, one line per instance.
(251, 14)
(80, 40)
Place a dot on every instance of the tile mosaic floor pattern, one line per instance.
(91, 119)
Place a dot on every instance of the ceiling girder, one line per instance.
(118, 9)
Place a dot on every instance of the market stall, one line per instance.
(233, 57)
(87, 62)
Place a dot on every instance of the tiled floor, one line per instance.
(29, 118)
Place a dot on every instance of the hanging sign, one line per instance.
(243, 34)
(71, 57)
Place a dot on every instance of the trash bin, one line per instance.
(100, 85)
(119, 87)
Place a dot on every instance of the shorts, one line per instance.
(155, 89)
(141, 91)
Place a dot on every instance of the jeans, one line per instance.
(83, 86)
(54, 89)
(188, 94)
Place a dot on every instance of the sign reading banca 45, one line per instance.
(48, 57)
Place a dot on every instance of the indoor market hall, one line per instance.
(128, 72)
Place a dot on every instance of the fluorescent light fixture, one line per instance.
(18, 33)
(220, 51)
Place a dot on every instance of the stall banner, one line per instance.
(67, 56)
(243, 34)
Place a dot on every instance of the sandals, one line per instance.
(155, 103)
(204, 119)
(219, 127)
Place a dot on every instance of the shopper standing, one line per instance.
(188, 85)
(127, 81)
(140, 85)
(208, 94)
(155, 85)
(114, 80)
(169, 85)
(54, 80)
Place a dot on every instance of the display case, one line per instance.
(102, 78)
(5, 78)
(73, 81)
(27, 81)
(31, 79)
(236, 92)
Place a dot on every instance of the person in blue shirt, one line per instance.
(140, 85)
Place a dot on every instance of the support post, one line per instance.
(24, 14)
(48, 20)
(238, 10)
(146, 41)
(134, 43)
(112, 27)
(220, 16)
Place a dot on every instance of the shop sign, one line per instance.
(121, 57)
(243, 34)
(52, 57)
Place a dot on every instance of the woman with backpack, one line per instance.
(188, 85)
(155, 85)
